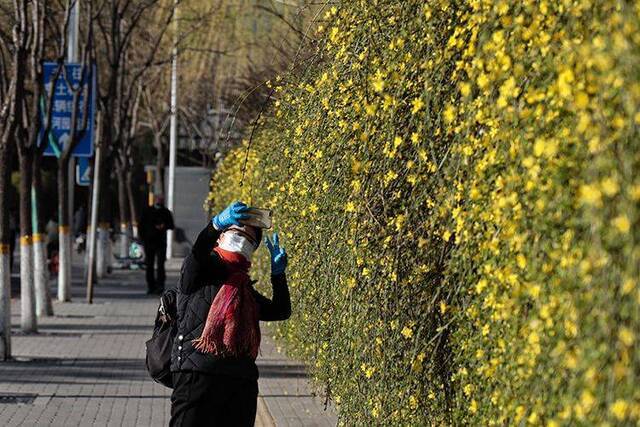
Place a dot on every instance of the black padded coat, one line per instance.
(200, 278)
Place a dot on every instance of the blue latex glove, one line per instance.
(231, 215)
(278, 255)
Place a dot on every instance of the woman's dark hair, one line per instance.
(258, 236)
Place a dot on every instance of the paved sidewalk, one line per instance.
(85, 367)
(286, 391)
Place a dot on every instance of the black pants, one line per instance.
(155, 255)
(213, 400)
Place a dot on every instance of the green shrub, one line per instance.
(457, 187)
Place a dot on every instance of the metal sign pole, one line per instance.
(72, 57)
(173, 136)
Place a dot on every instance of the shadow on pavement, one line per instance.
(52, 328)
(281, 371)
(63, 371)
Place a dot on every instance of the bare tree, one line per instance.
(33, 276)
(131, 34)
(14, 63)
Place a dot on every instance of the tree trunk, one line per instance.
(5, 273)
(28, 320)
(64, 233)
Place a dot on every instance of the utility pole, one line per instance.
(72, 57)
(64, 272)
(173, 131)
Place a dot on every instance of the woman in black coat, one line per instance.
(213, 365)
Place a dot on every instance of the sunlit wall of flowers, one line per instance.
(457, 185)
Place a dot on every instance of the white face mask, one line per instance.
(234, 242)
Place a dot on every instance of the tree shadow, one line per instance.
(72, 371)
(282, 371)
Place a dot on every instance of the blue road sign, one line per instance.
(63, 107)
(83, 171)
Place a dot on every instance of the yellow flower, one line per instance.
(468, 389)
(627, 286)
(587, 400)
(590, 195)
(509, 89)
(407, 332)
(473, 407)
(378, 82)
(610, 186)
(565, 83)
(481, 285)
(545, 147)
(443, 307)
(333, 35)
(483, 81)
(368, 370)
(581, 100)
(417, 105)
(465, 89)
(449, 114)
(390, 176)
(626, 336)
(619, 409)
(370, 109)
(622, 223)
(413, 402)
(350, 207)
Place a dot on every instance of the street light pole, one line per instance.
(64, 234)
(72, 57)
(173, 131)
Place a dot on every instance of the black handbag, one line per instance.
(159, 347)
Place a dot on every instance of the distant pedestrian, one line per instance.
(80, 221)
(52, 237)
(13, 234)
(155, 221)
(52, 246)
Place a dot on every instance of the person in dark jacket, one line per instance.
(80, 221)
(155, 221)
(213, 365)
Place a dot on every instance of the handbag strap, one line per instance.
(164, 316)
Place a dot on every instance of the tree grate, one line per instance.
(17, 399)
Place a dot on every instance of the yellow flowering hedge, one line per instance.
(457, 185)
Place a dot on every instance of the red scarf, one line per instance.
(232, 323)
